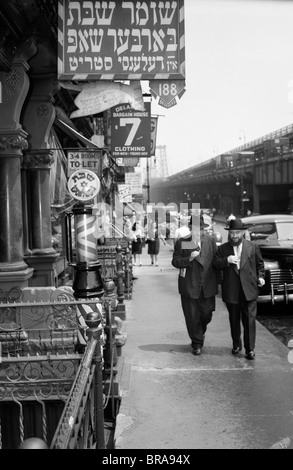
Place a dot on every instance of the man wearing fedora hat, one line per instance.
(197, 280)
(242, 265)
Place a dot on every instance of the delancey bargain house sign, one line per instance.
(123, 40)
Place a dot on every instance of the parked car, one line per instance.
(274, 234)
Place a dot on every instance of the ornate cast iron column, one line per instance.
(43, 255)
(38, 117)
(14, 84)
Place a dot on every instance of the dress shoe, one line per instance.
(236, 350)
(196, 351)
(250, 355)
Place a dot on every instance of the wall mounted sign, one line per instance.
(135, 182)
(124, 192)
(83, 185)
(113, 40)
(130, 131)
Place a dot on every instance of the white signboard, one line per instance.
(124, 193)
(135, 181)
(84, 160)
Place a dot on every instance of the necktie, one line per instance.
(238, 251)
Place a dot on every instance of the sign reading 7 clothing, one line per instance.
(130, 131)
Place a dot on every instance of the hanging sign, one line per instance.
(130, 131)
(168, 91)
(88, 159)
(124, 192)
(83, 185)
(135, 182)
(131, 161)
(119, 40)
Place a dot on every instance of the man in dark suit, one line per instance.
(242, 265)
(197, 281)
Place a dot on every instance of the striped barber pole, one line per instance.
(86, 244)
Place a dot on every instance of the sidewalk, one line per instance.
(172, 399)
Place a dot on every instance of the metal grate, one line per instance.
(279, 277)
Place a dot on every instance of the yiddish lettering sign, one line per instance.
(128, 40)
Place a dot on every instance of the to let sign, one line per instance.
(130, 131)
(127, 40)
(84, 160)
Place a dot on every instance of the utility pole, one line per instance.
(148, 180)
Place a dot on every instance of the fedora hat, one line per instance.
(235, 224)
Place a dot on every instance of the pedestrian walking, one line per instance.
(137, 241)
(153, 238)
(197, 280)
(242, 265)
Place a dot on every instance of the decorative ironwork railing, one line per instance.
(57, 349)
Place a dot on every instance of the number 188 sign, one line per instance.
(168, 91)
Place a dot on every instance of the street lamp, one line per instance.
(243, 194)
(244, 155)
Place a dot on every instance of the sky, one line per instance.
(239, 79)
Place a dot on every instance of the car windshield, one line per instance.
(285, 230)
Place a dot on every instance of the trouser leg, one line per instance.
(235, 327)
(198, 313)
(248, 316)
(206, 307)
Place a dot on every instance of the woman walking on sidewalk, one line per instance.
(153, 242)
(137, 240)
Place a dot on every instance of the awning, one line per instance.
(75, 134)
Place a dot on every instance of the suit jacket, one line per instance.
(198, 274)
(251, 268)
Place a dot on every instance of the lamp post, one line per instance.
(239, 183)
(239, 179)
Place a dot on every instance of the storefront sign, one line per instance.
(113, 40)
(83, 185)
(131, 161)
(130, 131)
(124, 192)
(81, 160)
(135, 182)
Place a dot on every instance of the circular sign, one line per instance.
(83, 185)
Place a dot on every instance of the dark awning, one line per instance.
(75, 134)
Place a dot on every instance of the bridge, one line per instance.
(256, 176)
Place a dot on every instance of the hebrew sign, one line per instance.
(124, 40)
